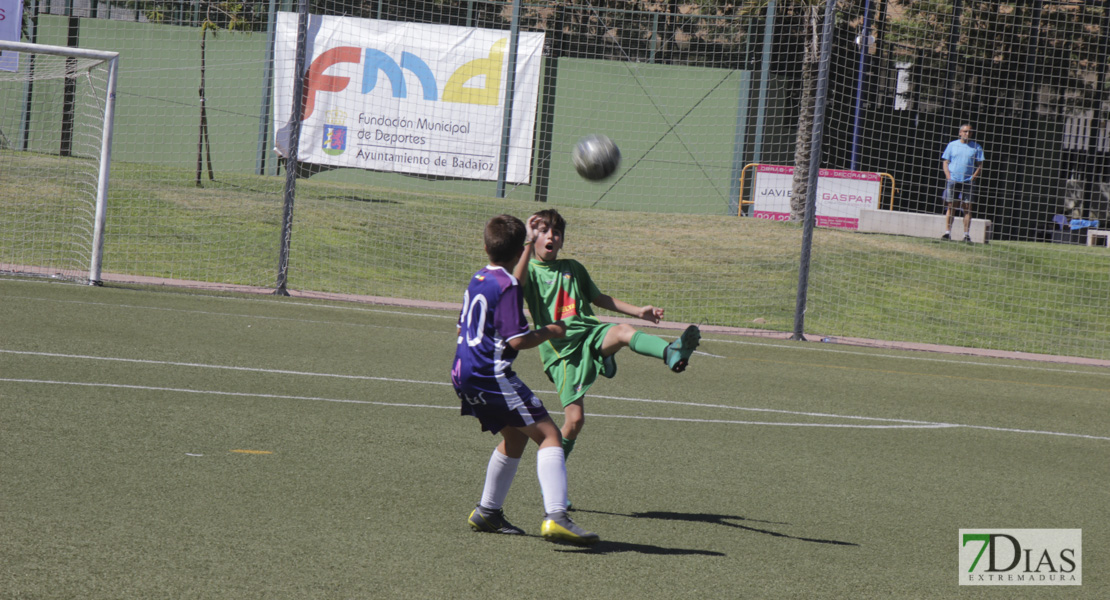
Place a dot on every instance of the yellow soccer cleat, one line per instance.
(557, 527)
(492, 521)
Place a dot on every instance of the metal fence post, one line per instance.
(814, 168)
(291, 163)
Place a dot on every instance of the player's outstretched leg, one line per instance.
(677, 355)
(492, 521)
(557, 527)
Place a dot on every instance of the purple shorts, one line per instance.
(500, 402)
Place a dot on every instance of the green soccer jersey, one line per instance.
(561, 290)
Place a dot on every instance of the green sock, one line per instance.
(568, 445)
(648, 345)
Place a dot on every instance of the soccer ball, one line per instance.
(596, 157)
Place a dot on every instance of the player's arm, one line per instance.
(647, 313)
(978, 170)
(520, 270)
(538, 336)
(947, 173)
(508, 319)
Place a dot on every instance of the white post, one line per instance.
(57, 50)
(105, 169)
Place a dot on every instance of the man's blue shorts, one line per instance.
(500, 402)
(957, 191)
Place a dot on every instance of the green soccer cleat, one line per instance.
(492, 521)
(677, 354)
(557, 527)
(609, 366)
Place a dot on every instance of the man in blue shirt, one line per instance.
(963, 161)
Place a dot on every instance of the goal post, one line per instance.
(46, 236)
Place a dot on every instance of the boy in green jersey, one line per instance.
(562, 290)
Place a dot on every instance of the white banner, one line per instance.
(840, 195)
(407, 97)
(11, 30)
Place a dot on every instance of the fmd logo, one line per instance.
(1021, 557)
(375, 61)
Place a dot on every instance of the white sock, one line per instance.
(551, 467)
(499, 477)
(947, 232)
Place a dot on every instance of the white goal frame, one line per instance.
(112, 60)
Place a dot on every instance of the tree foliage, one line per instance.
(246, 15)
(999, 46)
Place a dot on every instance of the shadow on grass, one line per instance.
(726, 520)
(369, 200)
(610, 547)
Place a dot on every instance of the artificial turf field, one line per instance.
(167, 444)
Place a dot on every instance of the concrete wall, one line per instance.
(921, 225)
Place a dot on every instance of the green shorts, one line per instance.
(577, 369)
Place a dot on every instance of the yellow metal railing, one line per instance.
(882, 177)
(742, 200)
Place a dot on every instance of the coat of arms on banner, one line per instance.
(335, 132)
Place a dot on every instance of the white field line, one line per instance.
(825, 348)
(283, 302)
(832, 349)
(219, 367)
(888, 423)
(148, 388)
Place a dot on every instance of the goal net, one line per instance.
(56, 112)
(421, 120)
(999, 110)
(672, 90)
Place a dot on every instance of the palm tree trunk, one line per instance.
(802, 148)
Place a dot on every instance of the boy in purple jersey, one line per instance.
(492, 330)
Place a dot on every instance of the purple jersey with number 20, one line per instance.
(491, 315)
